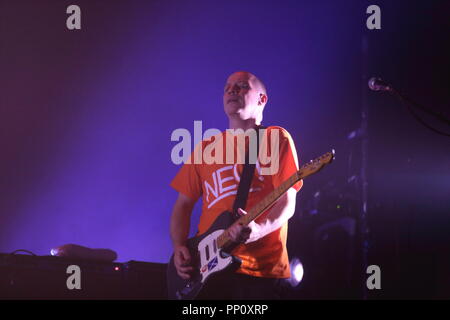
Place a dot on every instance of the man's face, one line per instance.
(242, 96)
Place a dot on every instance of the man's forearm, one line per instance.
(278, 215)
(180, 224)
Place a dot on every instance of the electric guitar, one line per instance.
(210, 250)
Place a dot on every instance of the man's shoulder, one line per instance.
(282, 132)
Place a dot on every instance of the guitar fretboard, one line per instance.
(306, 170)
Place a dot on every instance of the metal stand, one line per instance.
(363, 225)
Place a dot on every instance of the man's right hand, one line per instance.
(182, 261)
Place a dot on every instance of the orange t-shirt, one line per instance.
(218, 181)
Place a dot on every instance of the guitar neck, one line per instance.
(269, 200)
(306, 170)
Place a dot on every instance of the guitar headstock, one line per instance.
(316, 165)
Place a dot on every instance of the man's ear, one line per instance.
(263, 98)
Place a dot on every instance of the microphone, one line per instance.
(376, 84)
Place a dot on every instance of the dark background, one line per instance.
(86, 118)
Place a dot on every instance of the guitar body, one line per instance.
(207, 259)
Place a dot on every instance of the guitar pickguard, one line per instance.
(212, 259)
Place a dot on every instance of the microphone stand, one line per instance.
(364, 184)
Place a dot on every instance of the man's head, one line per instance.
(244, 96)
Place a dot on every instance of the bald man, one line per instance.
(261, 245)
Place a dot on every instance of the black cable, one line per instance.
(23, 250)
(407, 103)
(437, 115)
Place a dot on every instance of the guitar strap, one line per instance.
(246, 179)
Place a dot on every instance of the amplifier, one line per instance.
(49, 277)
